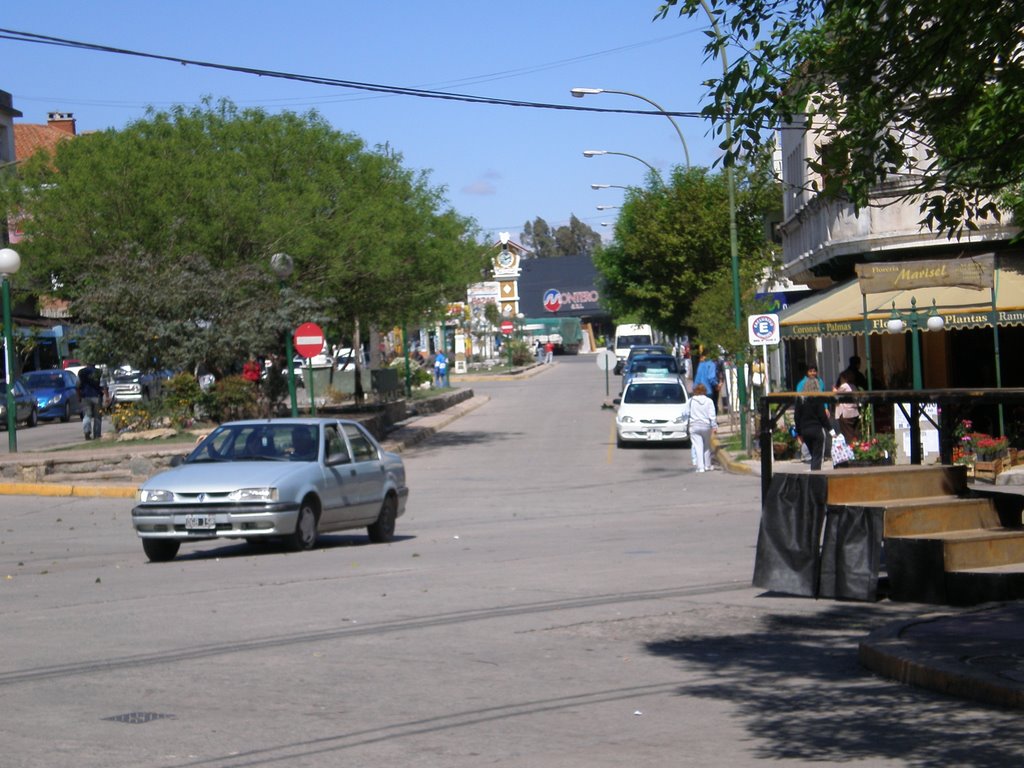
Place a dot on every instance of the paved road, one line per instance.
(551, 601)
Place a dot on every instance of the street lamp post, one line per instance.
(282, 266)
(914, 319)
(607, 186)
(10, 263)
(730, 175)
(596, 152)
(579, 93)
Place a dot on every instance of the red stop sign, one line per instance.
(308, 340)
(506, 327)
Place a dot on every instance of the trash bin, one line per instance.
(321, 376)
(384, 382)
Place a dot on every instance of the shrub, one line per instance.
(419, 374)
(232, 398)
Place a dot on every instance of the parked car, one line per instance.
(55, 391)
(131, 385)
(653, 409)
(638, 349)
(25, 407)
(286, 479)
(650, 365)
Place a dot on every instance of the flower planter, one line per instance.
(987, 470)
(866, 463)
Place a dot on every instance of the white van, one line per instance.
(626, 336)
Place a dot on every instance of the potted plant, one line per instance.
(872, 451)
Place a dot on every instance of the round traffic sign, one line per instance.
(308, 340)
(605, 359)
(507, 327)
(763, 329)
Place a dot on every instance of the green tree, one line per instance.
(928, 94)
(572, 239)
(671, 251)
(538, 237)
(161, 234)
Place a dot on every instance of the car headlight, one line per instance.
(254, 494)
(627, 419)
(147, 496)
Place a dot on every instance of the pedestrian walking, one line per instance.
(90, 394)
(707, 374)
(703, 423)
(813, 422)
(847, 414)
(549, 351)
(441, 369)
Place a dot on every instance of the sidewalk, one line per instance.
(975, 653)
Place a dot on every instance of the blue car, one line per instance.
(55, 391)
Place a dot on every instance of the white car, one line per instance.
(653, 409)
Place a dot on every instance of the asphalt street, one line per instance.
(550, 600)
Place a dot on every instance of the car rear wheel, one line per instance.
(383, 531)
(160, 550)
(66, 416)
(305, 534)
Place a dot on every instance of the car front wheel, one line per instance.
(305, 534)
(383, 531)
(160, 550)
(33, 418)
(66, 416)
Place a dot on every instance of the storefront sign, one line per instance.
(976, 272)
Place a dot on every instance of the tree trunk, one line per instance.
(357, 351)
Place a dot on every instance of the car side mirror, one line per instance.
(337, 460)
(177, 461)
(617, 401)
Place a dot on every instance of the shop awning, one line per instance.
(840, 311)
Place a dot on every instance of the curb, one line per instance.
(65, 489)
(888, 653)
(725, 459)
(406, 437)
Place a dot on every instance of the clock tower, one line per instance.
(505, 262)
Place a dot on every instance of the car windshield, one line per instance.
(43, 380)
(664, 393)
(259, 442)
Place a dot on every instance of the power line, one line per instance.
(32, 37)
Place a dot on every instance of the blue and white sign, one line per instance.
(763, 329)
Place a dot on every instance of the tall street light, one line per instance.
(607, 186)
(10, 263)
(734, 249)
(579, 93)
(282, 265)
(607, 207)
(596, 152)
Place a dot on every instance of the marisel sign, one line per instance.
(976, 272)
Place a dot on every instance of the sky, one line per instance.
(500, 165)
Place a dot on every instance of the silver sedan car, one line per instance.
(287, 479)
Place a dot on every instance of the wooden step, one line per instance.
(916, 517)
(966, 550)
(861, 485)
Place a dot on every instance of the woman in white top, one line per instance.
(703, 422)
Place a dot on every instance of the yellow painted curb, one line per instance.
(63, 489)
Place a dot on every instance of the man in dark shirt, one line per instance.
(90, 392)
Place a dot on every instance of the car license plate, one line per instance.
(200, 522)
(654, 434)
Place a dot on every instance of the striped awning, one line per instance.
(840, 311)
